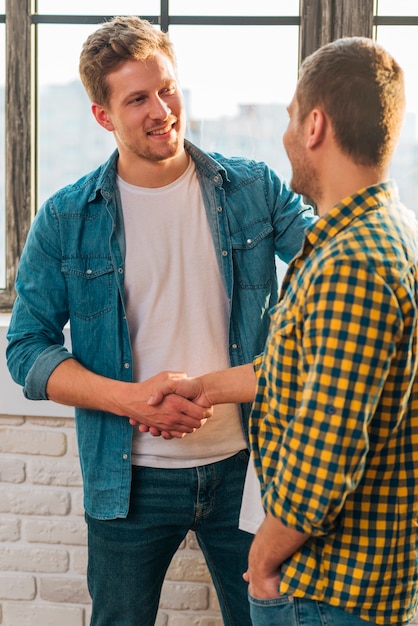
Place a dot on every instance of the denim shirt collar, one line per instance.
(204, 163)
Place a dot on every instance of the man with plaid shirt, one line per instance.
(334, 424)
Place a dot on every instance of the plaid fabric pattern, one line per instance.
(334, 426)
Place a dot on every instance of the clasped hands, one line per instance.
(176, 406)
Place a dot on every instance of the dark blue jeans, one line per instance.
(128, 558)
(290, 611)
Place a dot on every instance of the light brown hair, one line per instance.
(116, 41)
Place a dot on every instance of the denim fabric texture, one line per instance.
(76, 251)
(290, 611)
(128, 558)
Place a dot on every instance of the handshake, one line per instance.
(178, 405)
(171, 405)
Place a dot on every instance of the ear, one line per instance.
(102, 116)
(317, 128)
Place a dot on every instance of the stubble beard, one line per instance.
(157, 155)
(304, 181)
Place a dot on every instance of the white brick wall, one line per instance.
(43, 536)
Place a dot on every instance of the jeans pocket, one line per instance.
(267, 602)
(279, 611)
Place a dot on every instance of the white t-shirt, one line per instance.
(177, 311)
(252, 511)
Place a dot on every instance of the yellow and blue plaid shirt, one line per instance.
(334, 426)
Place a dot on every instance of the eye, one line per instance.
(168, 91)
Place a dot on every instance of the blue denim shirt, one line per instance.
(72, 269)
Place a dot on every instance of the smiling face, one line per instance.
(145, 111)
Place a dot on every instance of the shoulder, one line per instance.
(82, 195)
(233, 169)
(239, 167)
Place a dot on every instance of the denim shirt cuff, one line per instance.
(41, 370)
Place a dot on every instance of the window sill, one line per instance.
(12, 400)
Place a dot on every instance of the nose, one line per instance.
(159, 109)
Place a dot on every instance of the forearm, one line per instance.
(234, 385)
(272, 545)
(72, 384)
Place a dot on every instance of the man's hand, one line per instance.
(273, 543)
(190, 388)
(165, 412)
(263, 582)
(175, 389)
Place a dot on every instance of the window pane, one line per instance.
(236, 100)
(235, 7)
(397, 7)
(70, 142)
(2, 151)
(99, 7)
(402, 42)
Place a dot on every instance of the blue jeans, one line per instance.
(291, 611)
(128, 558)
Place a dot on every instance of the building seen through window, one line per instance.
(401, 40)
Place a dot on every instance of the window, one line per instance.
(98, 7)
(2, 147)
(236, 101)
(223, 111)
(238, 68)
(248, 118)
(70, 142)
(399, 36)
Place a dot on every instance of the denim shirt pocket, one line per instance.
(90, 284)
(253, 255)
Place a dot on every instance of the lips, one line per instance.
(161, 131)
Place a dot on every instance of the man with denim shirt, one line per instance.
(161, 259)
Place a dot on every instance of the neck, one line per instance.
(152, 174)
(337, 184)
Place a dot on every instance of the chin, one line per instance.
(297, 187)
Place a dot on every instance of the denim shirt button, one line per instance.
(124, 456)
(234, 346)
(220, 209)
(224, 253)
(120, 270)
(126, 366)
